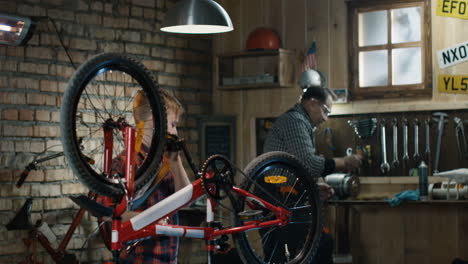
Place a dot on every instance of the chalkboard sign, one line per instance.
(217, 137)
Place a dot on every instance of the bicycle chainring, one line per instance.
(217, 177)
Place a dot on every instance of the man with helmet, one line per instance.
(293, 132)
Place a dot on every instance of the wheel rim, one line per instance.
(285, 188)
(106, 97)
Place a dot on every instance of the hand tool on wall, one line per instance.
(440, 119)
(405, 157)
(427, 149)
(395, 162)
(384, 167)
(460, 136)
(364, 128)
(416, 140)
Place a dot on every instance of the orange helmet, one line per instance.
(263, 39)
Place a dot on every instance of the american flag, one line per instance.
(310, 60)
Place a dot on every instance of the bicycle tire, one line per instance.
(293, 187)
(101, 90)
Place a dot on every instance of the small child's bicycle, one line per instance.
(275, 212)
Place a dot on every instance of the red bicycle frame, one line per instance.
(146, 224)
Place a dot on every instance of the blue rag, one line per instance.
(408, 195)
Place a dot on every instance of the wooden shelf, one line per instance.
(245, 69)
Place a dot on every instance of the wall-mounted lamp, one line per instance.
(15, 30)
(197, 17)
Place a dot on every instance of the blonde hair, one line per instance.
(142, 109)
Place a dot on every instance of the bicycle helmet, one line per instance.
(311, 78)
(263, 39)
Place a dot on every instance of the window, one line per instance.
(389, 48)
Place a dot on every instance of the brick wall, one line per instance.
(34, 77)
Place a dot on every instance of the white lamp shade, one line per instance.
(197, 17)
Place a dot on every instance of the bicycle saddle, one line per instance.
(22, 219)
(96, 209)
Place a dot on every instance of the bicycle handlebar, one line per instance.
(32, 166)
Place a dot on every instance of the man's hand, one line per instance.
(352, 162)
(325, 191)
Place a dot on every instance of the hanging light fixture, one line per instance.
(197, 17)
(15, 30)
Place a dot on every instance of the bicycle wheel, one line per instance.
(103, 95)
(280, 179)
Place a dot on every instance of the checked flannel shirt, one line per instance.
(293, 132)
(155, 250)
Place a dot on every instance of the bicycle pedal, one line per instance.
(250, 215)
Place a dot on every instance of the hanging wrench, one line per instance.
(416, 140)
(461, 143)
(405, 140)
(384, 167)
(427, 150)
(395, 161)
(440, 130)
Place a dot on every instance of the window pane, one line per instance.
(406, 24)
(372, 28)
(373, 68)
(406, 66)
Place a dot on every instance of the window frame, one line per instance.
(423, 89)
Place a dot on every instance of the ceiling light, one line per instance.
(15, 30)
(197, 17)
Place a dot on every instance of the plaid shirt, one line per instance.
(155, 250)
(293, 132)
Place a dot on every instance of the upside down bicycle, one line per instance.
(276, 195)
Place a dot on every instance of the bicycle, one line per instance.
(40, 231)
(276, 195)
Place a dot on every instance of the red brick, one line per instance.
(40, 53)
(55, 117)
(51, 100)
(154, 65)
(7, 146)
(139, 24)
(45, 190)
(33, 67)
(58, 175)
(61, 14)
(26, 114)
(89, 19)
(50, 86)
(36, 99)
(10, 114)
(168, 80)
(12, 98)
(115, 22)
(82, 44)
(137, 11)
(46, 131)
(47, 39)
(4, 82)
(31, 10)
(37, 146)
(149, 13)
(147, 3)
(35, 176)
(137, 49)
(6, 175)
(42, 115)
(22, 146)
(24, 83)
(73, 188)
(17, 131)
(58, 203)
(15, 51)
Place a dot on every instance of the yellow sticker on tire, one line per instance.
(275, 179)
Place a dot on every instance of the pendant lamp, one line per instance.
(197, 17)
